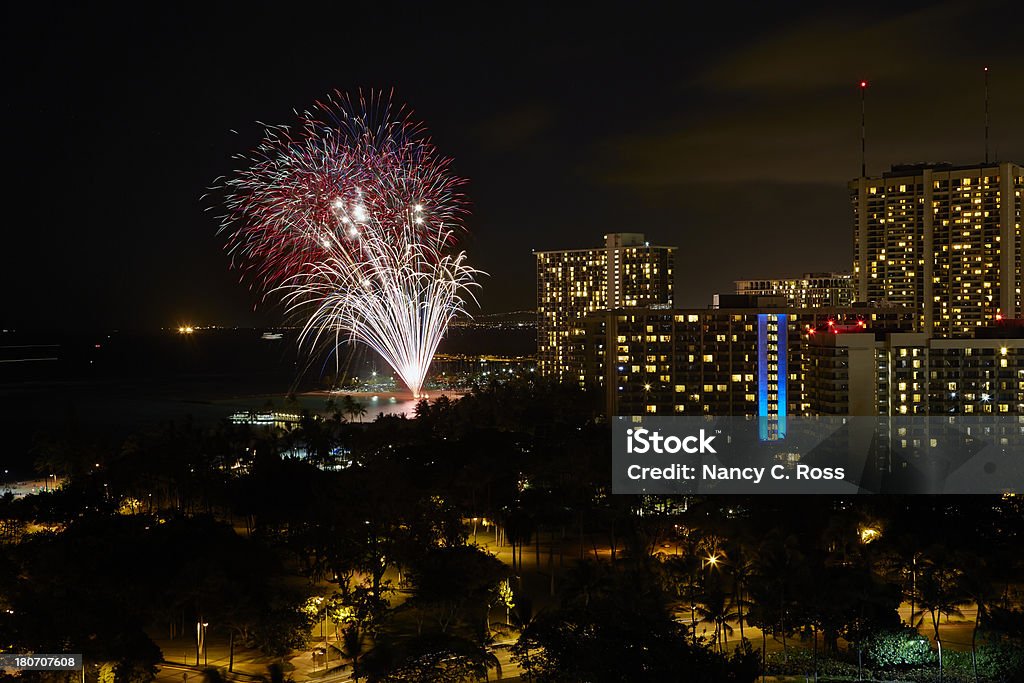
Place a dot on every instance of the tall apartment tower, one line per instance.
(628, 272)
(943, 240)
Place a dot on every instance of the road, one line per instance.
(536, 577)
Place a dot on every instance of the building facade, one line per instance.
(942, 240)
(725, 361)
(627, 272)
(812, 290)
(863, 372)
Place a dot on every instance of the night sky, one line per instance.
(730, 135)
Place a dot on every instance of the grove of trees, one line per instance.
(386, 533)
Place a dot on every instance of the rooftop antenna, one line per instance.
(986, 114)
(863, 163)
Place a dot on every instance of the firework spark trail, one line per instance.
(366, 157)
(404, 298)
(353, 217)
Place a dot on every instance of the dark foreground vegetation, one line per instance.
(375, 531)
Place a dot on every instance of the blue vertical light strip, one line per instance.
(782, 332)
(762, 376)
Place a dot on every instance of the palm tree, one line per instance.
(684, 582)
(760, 613)
(333, 409)
(938, 592)
(779, 563)
(976, 584)
(352, 407)
(741, 568)
(353, 645)
(716, 608)
(348, 405)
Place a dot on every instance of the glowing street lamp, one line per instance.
(201, 641)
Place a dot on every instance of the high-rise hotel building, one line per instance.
(942, 240)
(743, 358)
(627, 272)
(863, 371)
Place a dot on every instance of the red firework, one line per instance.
(308, 186)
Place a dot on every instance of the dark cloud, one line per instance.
(841, 45)
(787, 107)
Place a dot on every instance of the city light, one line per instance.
(868, 534)
(795, 456)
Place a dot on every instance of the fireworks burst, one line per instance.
(353, 217)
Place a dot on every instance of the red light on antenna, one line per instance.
(864, 84)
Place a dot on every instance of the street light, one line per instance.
(201, 640)
(323, 621)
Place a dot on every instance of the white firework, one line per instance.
(385, 287)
